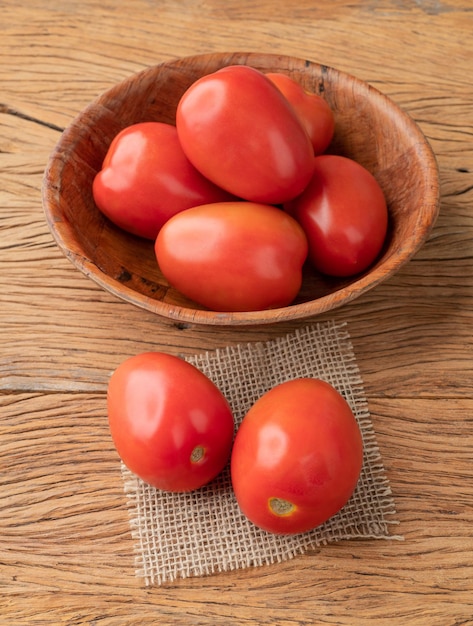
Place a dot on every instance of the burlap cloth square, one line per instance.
(203, 532)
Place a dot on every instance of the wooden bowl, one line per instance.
(370, 128)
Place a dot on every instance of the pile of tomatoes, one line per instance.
(237, 197)
(294, 462)
(240, 193)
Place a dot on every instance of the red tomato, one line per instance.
(237, 128)
(313, 111)
(297, 457)
(344, 215)
(233, 256)
(146, 178)
(170, 424)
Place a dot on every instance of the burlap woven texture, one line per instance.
(204, 532)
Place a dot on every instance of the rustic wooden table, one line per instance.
(66, 554)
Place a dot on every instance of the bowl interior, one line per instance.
(370, 128)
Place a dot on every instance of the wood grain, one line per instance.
(66, 555)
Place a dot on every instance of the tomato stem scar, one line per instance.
(197, 454)
(281, 507)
